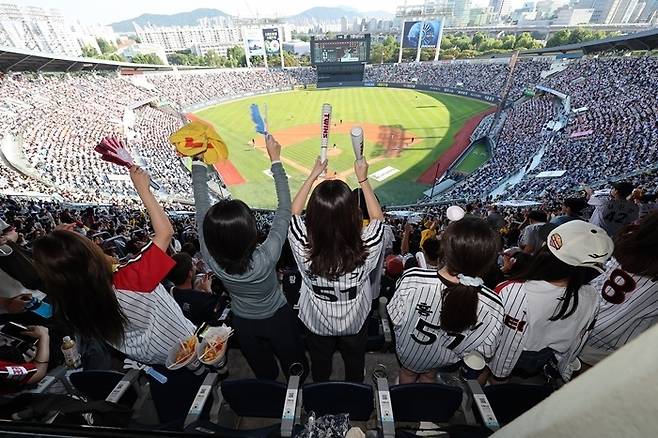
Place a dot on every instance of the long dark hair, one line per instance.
(469, 247)
(545, 266)
(635, 247)
(231, 235)
(77, 277)
(334, 222)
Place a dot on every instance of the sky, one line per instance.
(108, 11)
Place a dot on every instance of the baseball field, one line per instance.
(407, 134)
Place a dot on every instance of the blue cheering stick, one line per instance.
(259, 123)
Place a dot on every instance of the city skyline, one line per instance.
(118, 10)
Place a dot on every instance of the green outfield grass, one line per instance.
(475, 158)
(390, 117)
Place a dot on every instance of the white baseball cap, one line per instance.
(3, 225)
(579, 243)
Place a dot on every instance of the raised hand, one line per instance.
(273, 147)
(318, 168)
(361, 169)
(141, 179)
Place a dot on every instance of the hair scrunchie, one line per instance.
(470, 281)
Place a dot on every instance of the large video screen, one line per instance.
(340, 51)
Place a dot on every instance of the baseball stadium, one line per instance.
(406, 135)
(266, 243)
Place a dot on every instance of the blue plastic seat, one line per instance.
(96, 385)
(172, 400)
(355, 399)
(255, 398)
(510, 400)
(247, 398)
(432, 402)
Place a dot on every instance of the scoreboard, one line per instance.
(342, 50)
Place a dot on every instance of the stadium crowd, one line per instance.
(56, 121)
(524, 133)
(188, 89)
(414, 246)
(532, 290)
(611, 133)
(487, 78)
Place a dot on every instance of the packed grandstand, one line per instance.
(594, 119)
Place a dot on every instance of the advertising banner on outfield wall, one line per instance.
(253, 43)
(272, 40)
(429, 33)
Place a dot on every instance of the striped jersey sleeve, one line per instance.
(514, 329)
(373, 239)
(298, 240)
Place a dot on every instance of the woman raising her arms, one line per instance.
(335, 256)
(124, 306)
(263, 320)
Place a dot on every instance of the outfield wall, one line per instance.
(419, 87)
(407, 86)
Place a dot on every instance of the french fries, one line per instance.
(188, 347)
(212, 350)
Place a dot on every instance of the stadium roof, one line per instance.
(13, 59)
(645, 40)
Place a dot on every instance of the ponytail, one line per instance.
(468, 250)
(459, 308)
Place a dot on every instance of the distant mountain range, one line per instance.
(191, 18)
(335, 13)
(181, 19)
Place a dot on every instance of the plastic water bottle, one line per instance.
(70, 352)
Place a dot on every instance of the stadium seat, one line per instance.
(255, 398)
(355, 399)
(247, 398)
(173, 399)
(510, 400)
(97, 385)
(452, 431)
(431, 402)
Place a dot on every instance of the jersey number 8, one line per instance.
(615, 291)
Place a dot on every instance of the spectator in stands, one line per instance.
(429, 256)
(264, 322)
(612, 212)
(193, 294)
(495, 219)
(15, 263)
(571, 210)
(124, 306)
(335, 255)
(529, 241)
(628, 303)
(550, 306)
(440, 317)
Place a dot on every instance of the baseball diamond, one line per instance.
(403, 129)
